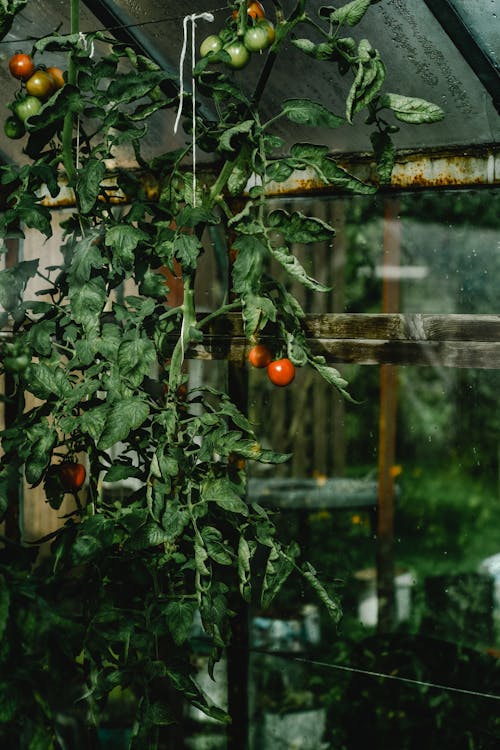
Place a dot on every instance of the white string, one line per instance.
(385, 676)
(193, 17)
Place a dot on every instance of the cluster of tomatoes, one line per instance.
(37, 84)
(279, 371)
(258, 35)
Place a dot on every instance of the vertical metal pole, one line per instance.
(387, 430)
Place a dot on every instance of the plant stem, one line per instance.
(220, 311)
(67, 133)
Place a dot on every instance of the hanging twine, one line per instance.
(190, 18)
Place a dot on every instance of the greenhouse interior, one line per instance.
(250, 373)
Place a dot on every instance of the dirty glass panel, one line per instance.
(433, 676)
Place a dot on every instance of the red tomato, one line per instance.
(72, 475)
(259, 356)
(281, 372)
(21, 66)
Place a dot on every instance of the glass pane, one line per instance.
(429, 677)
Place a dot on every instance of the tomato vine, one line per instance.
(106, 370)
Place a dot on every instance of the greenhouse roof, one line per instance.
(445, 51)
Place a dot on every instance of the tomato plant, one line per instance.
(281, 372)
(21, 66)
(259, 355)
(104, 361)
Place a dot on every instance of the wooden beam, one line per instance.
(392, 338)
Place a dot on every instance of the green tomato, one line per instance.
(265, 23)
(256, 38)
(25, 108)
(239, 55)
(13, 127)
(210, 45)
(16, 364)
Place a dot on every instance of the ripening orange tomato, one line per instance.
(259, 356)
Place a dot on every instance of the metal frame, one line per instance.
(466, 43)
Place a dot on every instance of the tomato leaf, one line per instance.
(243, 128)
(332, 606)
(135, 359)
(222, 493)
(179, 614)
(350, 14)
(124, 240)
(13, 283)
(306, 112)
(322, 51)
(294, 268)
(87, 301)
(280, 564)
(385, 154)
(411, 109)
(121, 418)
(88, 184)
(217, 549)
(4, 605)
(84, 256)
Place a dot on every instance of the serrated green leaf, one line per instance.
(87, 301)
(93, 421)
(135, 359)
(243, 128)
(180, 615)
(215, 546)
(295, 269)
(187, 248)
(13, 282)
(296, 227)
(351, 13)
(332, 606)
(124, 416)
(306, 112)
(84, 256)
(222, 493)
(247, 267)
(242, 170)
(124, 239)
(4, 605)
(257, 312)
(385, 154)
(88, 184)
(45, 381)
(322, 51)
(278, 568)
(411, 109)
